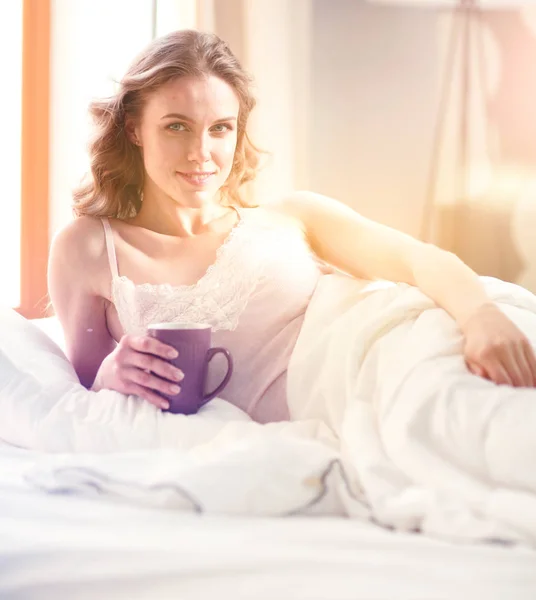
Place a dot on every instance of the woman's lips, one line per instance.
(197, 179)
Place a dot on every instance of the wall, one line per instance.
(376, 83)
(276, 46)
(374, 91)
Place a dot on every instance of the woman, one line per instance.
(162, 234)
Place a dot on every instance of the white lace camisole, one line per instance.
(254, 296)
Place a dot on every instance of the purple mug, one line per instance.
(192, 342)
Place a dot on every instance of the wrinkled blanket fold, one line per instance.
(433, 447)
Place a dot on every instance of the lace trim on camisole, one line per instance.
(218, 298)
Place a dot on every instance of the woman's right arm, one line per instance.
(77, 264)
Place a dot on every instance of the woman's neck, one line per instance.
(173, 219)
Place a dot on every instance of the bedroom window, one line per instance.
(11, 109)
(24, 42)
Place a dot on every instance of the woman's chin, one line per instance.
(201, 197)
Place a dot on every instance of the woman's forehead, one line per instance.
(195, 97)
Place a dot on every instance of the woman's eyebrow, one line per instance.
(188, 120)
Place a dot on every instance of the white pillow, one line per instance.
(34, 373)
(52, 327)
(30, 349)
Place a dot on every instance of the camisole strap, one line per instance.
(110, 246)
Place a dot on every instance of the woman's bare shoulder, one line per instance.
(79, 249)
(84, 236)
(309, 209)
(279, 212)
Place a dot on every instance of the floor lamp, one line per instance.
(466, 32)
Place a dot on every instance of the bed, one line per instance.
(88, 507)
(62, 546)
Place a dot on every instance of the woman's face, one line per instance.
(188, 134)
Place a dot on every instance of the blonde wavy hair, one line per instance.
(113, 186)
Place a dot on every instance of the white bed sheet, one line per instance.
(66, 547)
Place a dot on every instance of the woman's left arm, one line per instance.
(494, 346)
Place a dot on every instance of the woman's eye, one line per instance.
(221, 128)
(177, 127)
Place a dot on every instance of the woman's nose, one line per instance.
(199, 150)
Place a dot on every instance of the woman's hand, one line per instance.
(137, 366)
(496, 349)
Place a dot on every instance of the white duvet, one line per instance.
(389, 425)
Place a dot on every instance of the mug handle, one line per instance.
(209, 356)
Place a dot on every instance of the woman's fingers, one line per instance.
(152, 397)
(498, 374)
(142, 368)
(509, 359)
(149, 354)
(150, 381)
(528, 352)
(517, 369)
(149, 345)
(158, 366)
(523, 368)
(477, 369)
